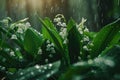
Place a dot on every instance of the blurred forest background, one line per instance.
(97, 12)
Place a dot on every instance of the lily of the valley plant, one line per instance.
(60, 51)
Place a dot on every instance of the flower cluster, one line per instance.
(61, 23)
(60, 20)
(85, 41)
(10, 51)
(40, 51)
(6, 21)
(63, 33)
(50, 47)
(19, 28)
(23, 27)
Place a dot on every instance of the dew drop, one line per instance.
(48, 75)
(45, 67)
(39, 70)
(90, 61)
(46, 60)
(21, 73)
(37, 66)
(118, 2)
(32, 73)
(50, 65)
(4, 60)
(50, 55)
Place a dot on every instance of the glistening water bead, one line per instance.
(118, 2)
(37, 66)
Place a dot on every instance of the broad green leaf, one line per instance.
(73, 41)
(52, 35)
(97, 69)
(37, 72)
(114, 54)
(105, 37)
(51, 25)
(32, 41)
(115, 39)
(79, 71)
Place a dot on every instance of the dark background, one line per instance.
(97, 12)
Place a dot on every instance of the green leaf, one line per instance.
(74, 41)
(37, 72)
(51, 34)
(50, 24)
(32, 41)
(91, 35)
(75, 71)
(115, 39)
(105, 38)
(96, 69)
(114, 54)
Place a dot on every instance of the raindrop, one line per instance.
(21, 73)
(102, 21)
(22, 78)
(52, 9)
(79, 58)
(95, 17)
(52, 72)
(0, 48)
(118, 2)
(2, 68)
(109, 63)
(17, 49)
(50, 65)
(42, 71)
(39, 70)
(117, 76)
(50, 55)
(62, 1)
(37, 66)
(7, 49)
(88, 56)
(48, 75)
(45, 67)
(93, 71)
(4, 60)
(32, 73)
(90, 61)
(77, 78)
(81, 53)
(46, 60)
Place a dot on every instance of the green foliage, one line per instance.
(105, 38)
(74, 41)
(60, 51)
(32, 41)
